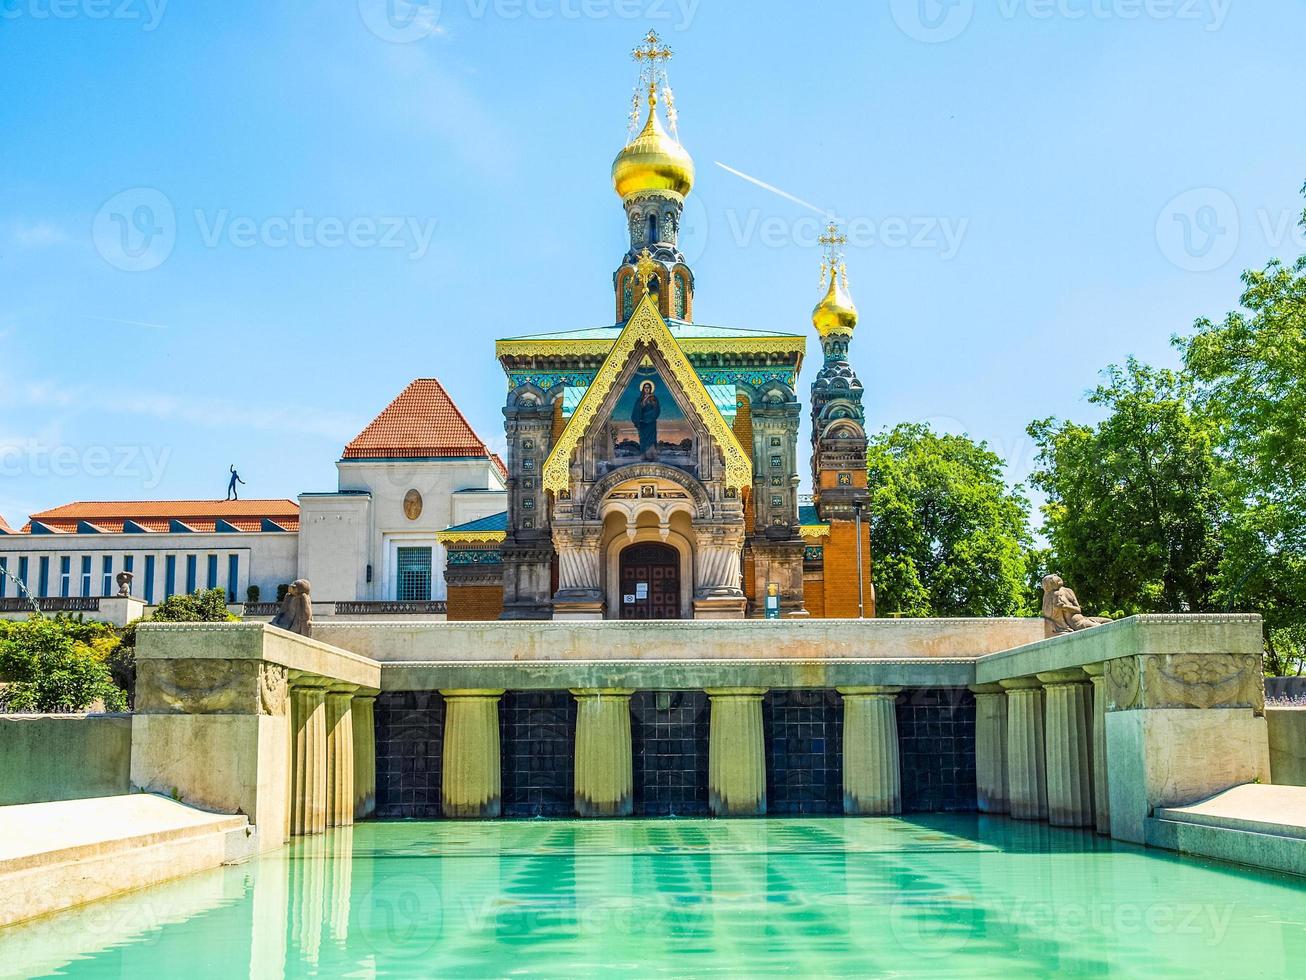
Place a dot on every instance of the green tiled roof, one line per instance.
(679, 330)
(495, 522)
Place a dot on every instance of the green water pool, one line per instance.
(937, 896)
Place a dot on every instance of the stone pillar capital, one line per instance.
(886, 691)
(1094, 671)
(979, 690)
(490, 694)
(601, 693)
(1060, 678)
(1021, 685)
(300, 681)
(742, 693)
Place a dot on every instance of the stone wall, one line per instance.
(1287, 745)
(44, 758)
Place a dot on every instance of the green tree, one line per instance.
(1251, 373)
(1134, 506)
(56, 666)
(948, 537)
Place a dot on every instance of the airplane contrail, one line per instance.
(775, 190)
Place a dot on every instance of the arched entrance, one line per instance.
(650, 582)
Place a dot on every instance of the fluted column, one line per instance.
(604, 781)
(364, 755)
(736, 762)
(308, 804)
(470, 779)
(340, 755)
(991, 748)
(1101, 795)
(1026, 781)
(1068, 728)
(872, 778)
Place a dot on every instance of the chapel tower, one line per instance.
(839, 484)
(652, 175)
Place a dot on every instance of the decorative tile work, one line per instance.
(669, 740)
(409, 744)
(804, 751)
(936, 742)
(537, 735)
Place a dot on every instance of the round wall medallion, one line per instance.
(412, 505)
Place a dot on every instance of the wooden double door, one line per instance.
(650, 582)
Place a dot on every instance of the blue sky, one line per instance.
(1037, 188)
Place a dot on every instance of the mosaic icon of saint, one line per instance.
(644, 416)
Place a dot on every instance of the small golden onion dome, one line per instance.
(836, 314)
(653, 161)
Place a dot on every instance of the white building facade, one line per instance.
(368, 547)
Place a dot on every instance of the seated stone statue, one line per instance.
(1061, 610)
(296, 613)
(124, 580)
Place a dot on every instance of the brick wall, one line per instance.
(475, 603)
(814, 594)
(841, 571)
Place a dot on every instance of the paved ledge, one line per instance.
(673, 675)
(789, 640)
(1152, 635)
(54, 856)
(253, 641)
(1258, 825)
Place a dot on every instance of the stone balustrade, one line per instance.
(1094, 729)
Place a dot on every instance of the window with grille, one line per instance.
(413, 574)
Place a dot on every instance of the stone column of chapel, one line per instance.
(872, 777)
(470, 781)
(1026, 780)
(736, 766)
(991, 748)
(1068, 729)
(364, 753)
(308, 814)
(340, 755)
(1101, 796)
(604, 781)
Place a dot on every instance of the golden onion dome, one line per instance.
(836, 313)
(653, 161)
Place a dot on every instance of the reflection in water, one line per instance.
(935, 896)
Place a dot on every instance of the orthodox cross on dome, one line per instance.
(646, 269)
(652, 56)
(832, 262)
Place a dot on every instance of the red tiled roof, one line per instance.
(422, 423)
(4, 525)
(155, 515)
